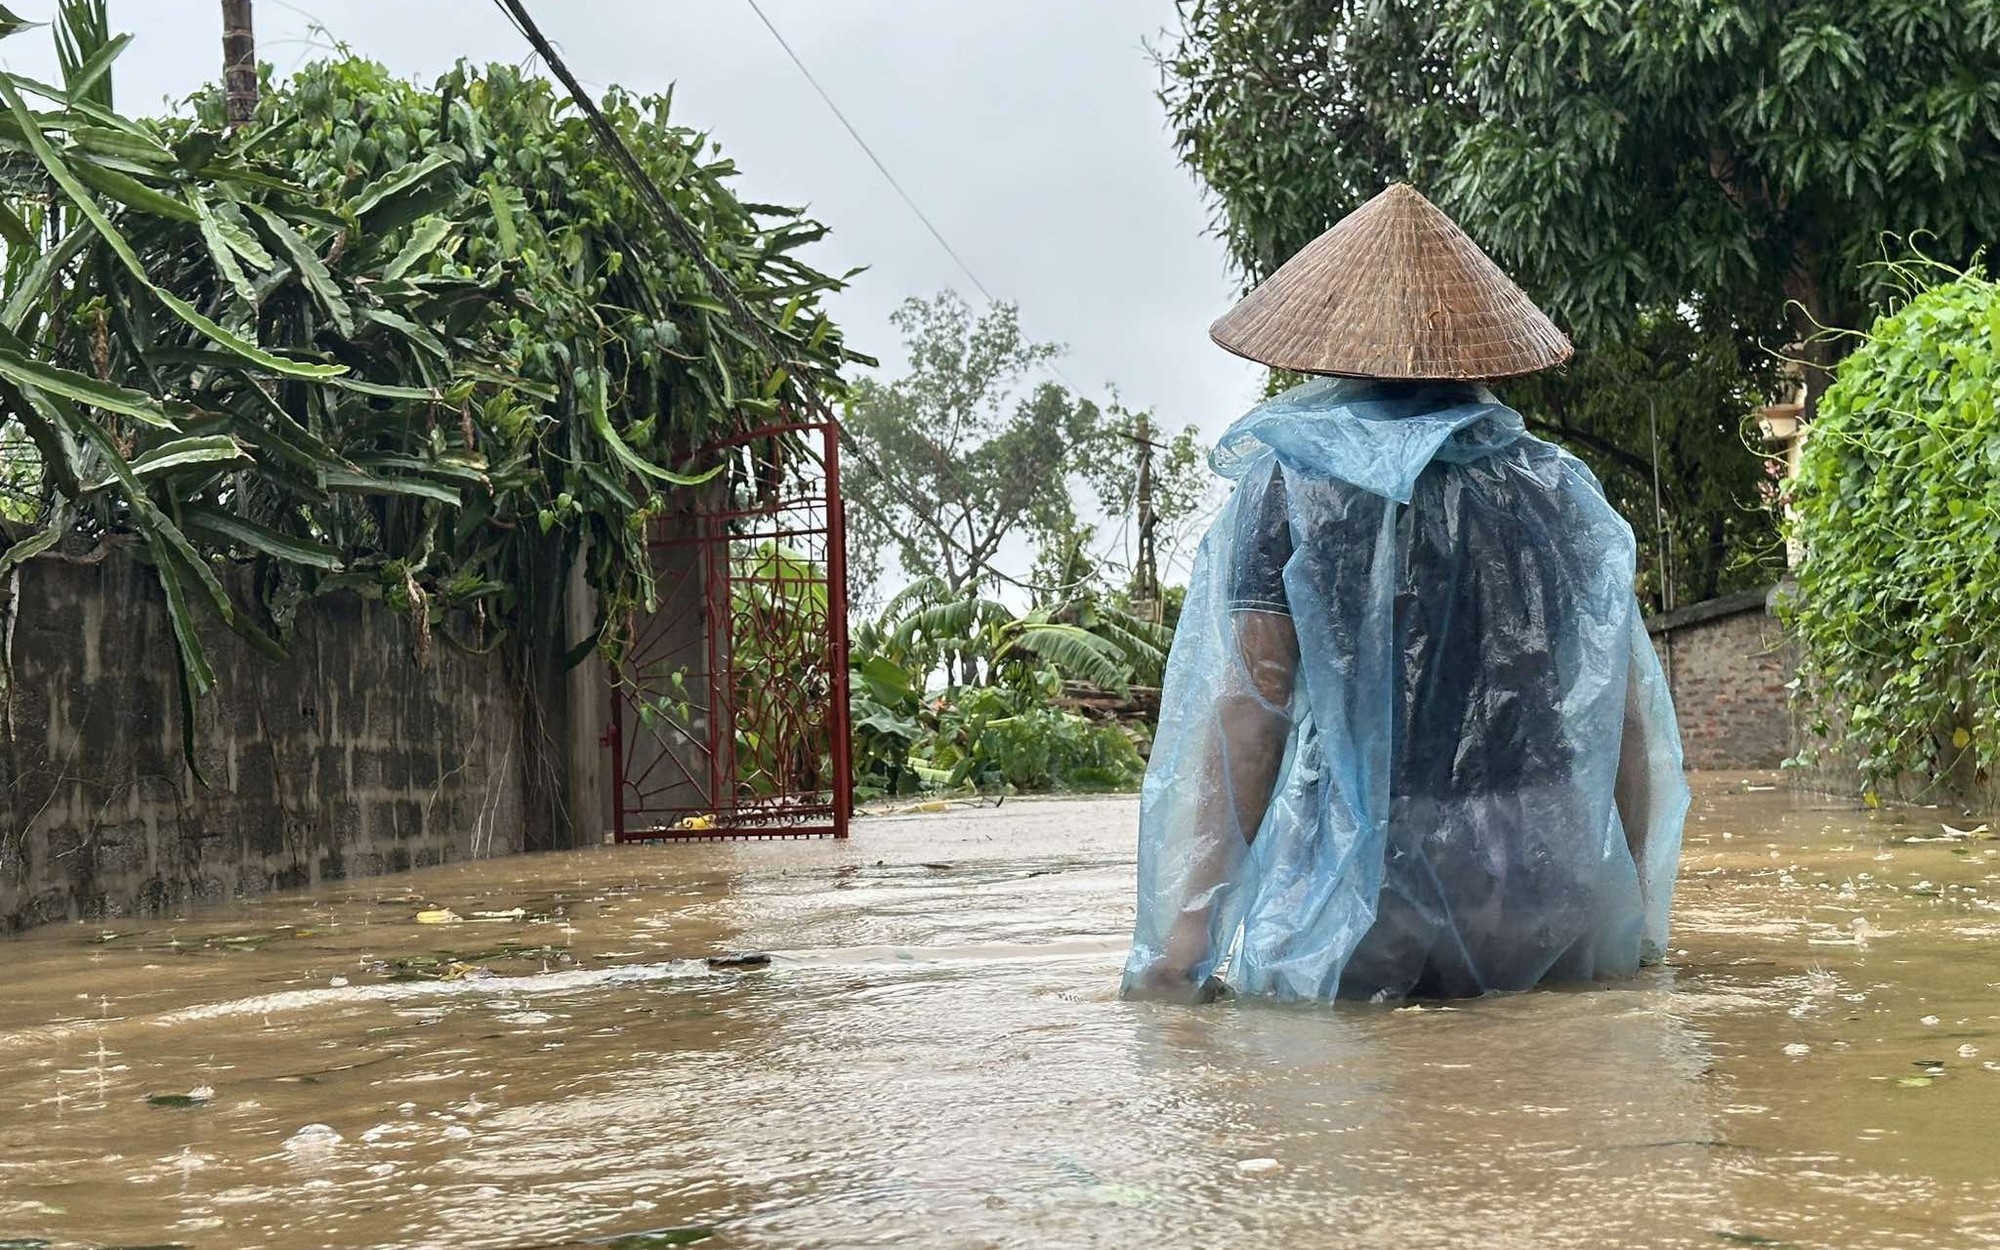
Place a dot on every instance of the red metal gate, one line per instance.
(730, 718)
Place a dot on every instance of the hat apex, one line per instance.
(1394, 290)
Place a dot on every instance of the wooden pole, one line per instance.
(1149, 573)
(239, 63)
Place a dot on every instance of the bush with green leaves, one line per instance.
(989, 739)
(624, 360)
(888, 714)
(1009, 739)
(1898, 508)
(1006, 735)
(427, 344)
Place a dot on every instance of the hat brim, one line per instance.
(1394, 290)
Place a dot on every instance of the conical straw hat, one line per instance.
(1394, 290)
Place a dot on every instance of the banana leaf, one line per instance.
(304, 345)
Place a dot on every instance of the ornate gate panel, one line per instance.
(730, 718)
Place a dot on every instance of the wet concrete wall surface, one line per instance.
(349, 757)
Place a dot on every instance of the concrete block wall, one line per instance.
(351, 758)
(346, 759)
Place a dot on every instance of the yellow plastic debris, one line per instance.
(437, 915)
(695, 823)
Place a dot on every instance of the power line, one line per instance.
(679, 225)
(517, 15)
(870, 153)
(649, 191)
(890, 178)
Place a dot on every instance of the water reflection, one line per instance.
(1535, 1116)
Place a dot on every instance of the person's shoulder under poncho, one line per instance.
(1414, 739)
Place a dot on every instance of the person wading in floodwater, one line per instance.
(1414, 740)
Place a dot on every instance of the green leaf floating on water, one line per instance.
(176, 1100)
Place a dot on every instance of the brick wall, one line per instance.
(348, 758)
(1727, 663)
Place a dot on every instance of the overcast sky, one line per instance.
(1027, 130)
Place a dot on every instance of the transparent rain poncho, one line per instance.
(1414, 739)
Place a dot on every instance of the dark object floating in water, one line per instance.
(745, 960)
(686, 1235)
(176, 1100)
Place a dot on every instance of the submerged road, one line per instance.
(535, 1051)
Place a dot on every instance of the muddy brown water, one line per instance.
(935, 1056)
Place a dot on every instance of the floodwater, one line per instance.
(935, 1056)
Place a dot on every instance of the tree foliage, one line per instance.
(968, 453)
(1617, 156)
(423, 344)
(632, 364)
(1898, 511)
(998, 730)
(1633, 163)
(1733, 154)
(1663, 417)
(1288, 110)
(965, 450)
(930, 627)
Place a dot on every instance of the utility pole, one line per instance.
(239, 63)
(1146, 582)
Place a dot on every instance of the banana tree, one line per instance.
(1082, 640)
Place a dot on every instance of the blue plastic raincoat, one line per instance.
(1414, 739)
